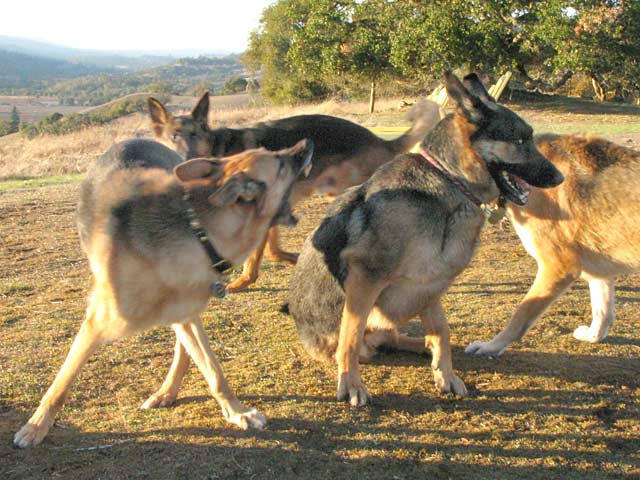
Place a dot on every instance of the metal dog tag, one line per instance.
(496, 215)
(218, 290)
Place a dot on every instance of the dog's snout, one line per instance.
(549, 176)
(558, 179)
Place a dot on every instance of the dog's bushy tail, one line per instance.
(424, 115)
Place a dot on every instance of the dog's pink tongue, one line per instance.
(524, 186)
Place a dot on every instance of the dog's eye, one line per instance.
(520, 141)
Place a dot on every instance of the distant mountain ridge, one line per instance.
(20, 70)
(122, 59)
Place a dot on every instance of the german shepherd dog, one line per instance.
(588, 227)
(346, 154)
(389, 248)
(151, 236)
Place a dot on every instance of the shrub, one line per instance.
(57, 124)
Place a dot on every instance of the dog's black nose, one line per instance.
(559, 178)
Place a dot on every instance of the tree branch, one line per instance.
(541, 85)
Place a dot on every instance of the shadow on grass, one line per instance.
(580, 106)
(568, 367)
(521, 288)
(293, 448)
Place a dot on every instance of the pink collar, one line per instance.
(438, 164)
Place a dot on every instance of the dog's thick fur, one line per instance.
(149, 268)
(389, 249)
(588, 227)
(345, 154)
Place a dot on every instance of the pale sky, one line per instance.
(134, 25)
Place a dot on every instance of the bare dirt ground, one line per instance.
(550, 407)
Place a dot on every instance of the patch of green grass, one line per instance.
(10, 287)
(24, 183)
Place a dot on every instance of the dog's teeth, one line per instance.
(307, 169)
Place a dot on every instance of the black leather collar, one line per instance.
(217, 262)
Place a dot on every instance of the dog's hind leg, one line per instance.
(551, 280)
(167, 393)
(273, 250)
(392, 339)
(91, 335)
(406, 343)
(381, 332)
(603, 311)
(192, 336)
(435, 326)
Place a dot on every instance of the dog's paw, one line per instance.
(488, 349)
(585, 334)
(247, 418)
(30, 434)
(283, 257)
(350, 388)
(239, 284)
(449, 383)
(159, 399)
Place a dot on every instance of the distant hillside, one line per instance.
(88, 77)
(123, 59)
(21, 71)
(186, 76)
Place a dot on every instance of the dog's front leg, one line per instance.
(436, 330)
(360, 296)
(192, 336)
(550, 282)
(168, 392)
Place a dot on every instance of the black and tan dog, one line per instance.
(588, 227)
(157, 241)
(389, 249)
(345, 154)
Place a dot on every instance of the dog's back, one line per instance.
(127, 155)
(595, 211)
(337, 140)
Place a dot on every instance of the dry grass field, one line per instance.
(33, 109)
(550, 407)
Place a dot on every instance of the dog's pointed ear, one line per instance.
(301, 151)
(239, 187)
(198, 169)
(474, 85)
(200, 112)
(470, 106)
(160, 117)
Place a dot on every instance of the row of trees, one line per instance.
(307, 49)
(12, 125)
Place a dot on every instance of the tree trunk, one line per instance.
(372, 97)
(597, 88)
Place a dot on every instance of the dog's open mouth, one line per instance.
(514, 188)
